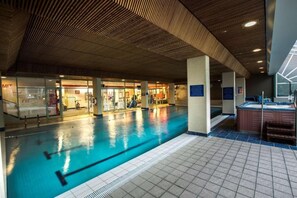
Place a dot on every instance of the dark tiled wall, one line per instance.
(258, 83)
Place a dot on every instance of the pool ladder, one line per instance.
(26, 122)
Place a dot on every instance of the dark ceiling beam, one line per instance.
(173, 17)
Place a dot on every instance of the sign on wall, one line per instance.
(228, 93)
(196, 90)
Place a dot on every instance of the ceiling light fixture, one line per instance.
(123, 79)
(157, 82)
(62, 76)
(261, 67)
(250, 24)
(3, 77)
(262, 72)
(257, 50)
(259, 61)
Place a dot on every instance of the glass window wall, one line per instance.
(31, 93)
(76, 97)
(9, 94)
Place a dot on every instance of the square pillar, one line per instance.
(2, 125)
(198, 95)
(228, 86)
(3, 186)
(97, 98)
(240, 91)
(171, 99)
(144, 95)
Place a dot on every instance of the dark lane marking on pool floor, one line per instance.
(62, 177)
(48, 155)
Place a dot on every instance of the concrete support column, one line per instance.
(144, 95)
(240, 91)
(2, 126)
(198, 95)
(3, 186)
(3, 192)
(228, 86)
(171, 99)
(97, 100)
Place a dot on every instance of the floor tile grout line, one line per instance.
(231, 166)
(287, 172)
(257, 170)
(201, 140)
(160, 169)
(219, 166)
(271, 151)
(250, 146)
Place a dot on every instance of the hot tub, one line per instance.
(249, 115)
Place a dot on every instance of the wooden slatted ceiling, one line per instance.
(107, 18)
(229, 15)
(172, 16)
(12, 30)
(49, 42)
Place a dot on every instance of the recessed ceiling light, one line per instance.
(123, 79)
(3, 76)
(259, 61)
(225, 31)
(62, 76)
(50, 80)
(261, 67)
(250, 23)
(219, 80)
(262, 72)
(257, 50)
(157, 82)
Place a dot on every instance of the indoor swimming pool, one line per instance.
(60, 157)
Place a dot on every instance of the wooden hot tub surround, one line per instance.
(249, 118)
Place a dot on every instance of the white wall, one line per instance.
(3, 192)
(144, 95)
(1, 108)
(240, 97)
(199, 107)
(171, 98)
(97, 88)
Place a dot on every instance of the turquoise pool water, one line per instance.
(84, 149)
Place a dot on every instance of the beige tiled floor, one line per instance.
(215, 167)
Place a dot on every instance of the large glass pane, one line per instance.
(75, 97)
(283, 90)
(9, 94)
(130, 95)
(108, 99)
(31, 93)
(137, 94)
(119, 99)
(53, 101)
